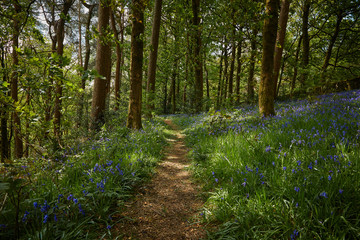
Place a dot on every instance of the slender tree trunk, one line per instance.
(206, 78)
(218, 100)
(4, 115)
(238, 71)
(329, 50)
(80, 37)
(153, 57)
(18, 144)
(232, 67)
(119, 53)
(306, 42)
(27, 125)
(295, 67)
(165, 97)
(266, 88)
(103, 59)
(225, 77)
(60, 33)
(85, 64)
(280, 78)
(198, 68)
(250, 82)
(173, 86)
(137, 45)
(280, 39)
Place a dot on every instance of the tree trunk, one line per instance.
(173, 86)
(238, 71)
(79, 29)
(153, 57)
(206, 78)
(4, 115)
(60, 34)
(329, 50)
(119, 53)
(306, 43)
(232, 63)
(250, 82)
(136, 64)
(280, 39)
(198, 69)
(267, 81)
(295, 68)
(225, 77)
(18, 144)
(103, 65)
(85, 63)
(218, 100)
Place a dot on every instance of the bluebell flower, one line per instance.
(310, 166)
(36, 205)
(341, 191)
(25, 216)
(70, 197)
(324, 194)
(268, 149)
(329, 177)
(81, 210)
(297, 189)
(45, 218)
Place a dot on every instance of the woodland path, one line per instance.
(169, 206)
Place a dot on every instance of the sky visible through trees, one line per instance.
(72, 70)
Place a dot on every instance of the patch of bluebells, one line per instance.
(314, 141)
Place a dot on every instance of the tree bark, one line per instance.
(250, 81)
(306, 42)
(153, 58)
(238, 71)
(136, 64)
(293, 81)
(85, 63)
(18, 143)
(280, 39)
(225, 77)
(119, 53)
(330, 47)
(218, 100)
(267, 81)
(60, 34)
(198, 68)
(103, 66)
(232, 67)
(4, 115)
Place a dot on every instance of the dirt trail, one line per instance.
(168, 207)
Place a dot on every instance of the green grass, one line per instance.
(77, 195)
(294, 176)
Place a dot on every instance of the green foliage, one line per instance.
(76, 195)
(293, 176)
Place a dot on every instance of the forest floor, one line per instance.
(169, 206)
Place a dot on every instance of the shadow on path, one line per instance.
(168, 208)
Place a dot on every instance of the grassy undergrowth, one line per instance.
(77, 195)
(293, 176)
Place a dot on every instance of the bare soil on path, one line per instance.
(169, 206)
